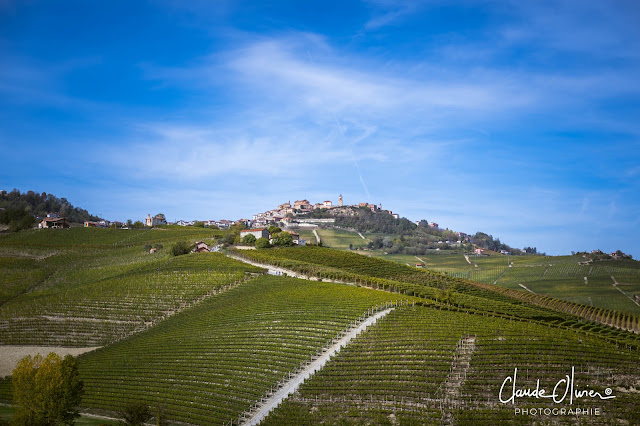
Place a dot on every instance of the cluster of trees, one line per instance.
(38, 205)
(408, 237)
(411, 244)
(46, 391)
(600, 255)
(16, 218)
(485, 241)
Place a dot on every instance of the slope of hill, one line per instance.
(207, 337)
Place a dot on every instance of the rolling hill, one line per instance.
(213, 339)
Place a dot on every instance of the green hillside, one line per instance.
(208, 337)
(404, 371)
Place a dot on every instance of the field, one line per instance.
(209, 338)
(340, 239)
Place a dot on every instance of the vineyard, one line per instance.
(90, 292)
(378, 273)
(560, 277)
(209, 338)
(402, 370)
(208, 364)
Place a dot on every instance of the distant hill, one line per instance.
(16, 206)
(405, 236)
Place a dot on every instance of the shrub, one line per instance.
(135, 414)
(180, 248)
(249, 239)
(262, 243)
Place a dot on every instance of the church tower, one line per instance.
(340, 200)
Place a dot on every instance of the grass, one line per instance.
(340, 239)
(6, 412)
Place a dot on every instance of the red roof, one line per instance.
(252, 230)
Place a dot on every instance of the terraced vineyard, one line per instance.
(209, 364)
(411, 369)
(90, 292)
(207, 337)
(378, 273)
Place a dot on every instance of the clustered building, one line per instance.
(301, 207)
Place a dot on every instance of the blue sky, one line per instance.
(515, 118)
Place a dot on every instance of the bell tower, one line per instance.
(340, 200)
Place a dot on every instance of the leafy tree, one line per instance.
(158, 246)
(135, 414)
(198, 224)
(180, 248)
(46, 390)
(262, 243)
(282, 239)
(146, 247)
(17, 218)
(137, 225)
(249, 239)
(274, 229)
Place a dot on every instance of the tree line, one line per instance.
(18, 205)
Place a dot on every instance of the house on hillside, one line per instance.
(258, 233)
(327, 204)
(479, 251)
(433, 225)
(200, 247)
(89, 224)
(54, 222)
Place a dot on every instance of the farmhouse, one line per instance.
(258, 233)
(54, 222)
(200, 247)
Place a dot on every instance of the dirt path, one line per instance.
(615, 285)
(361, 236)
(527, 288)
(292, 385)
(457, 376)
(466, 257)
(317, 236)
(10, 355)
